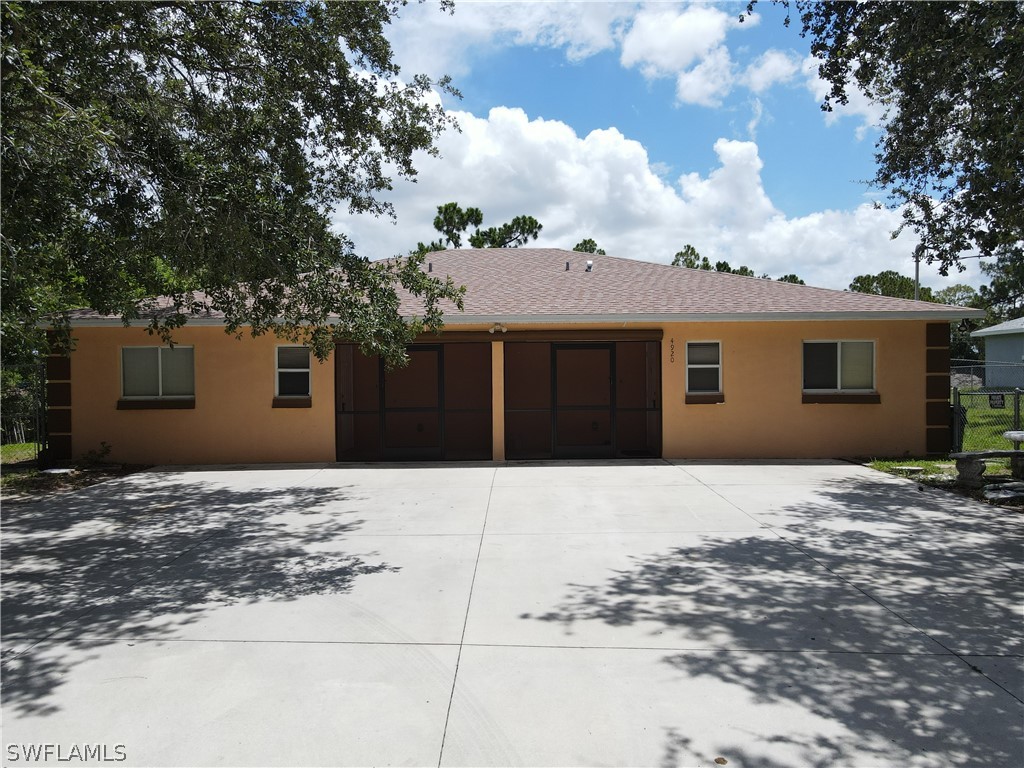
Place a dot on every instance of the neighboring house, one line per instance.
(1004, 353)
(550, 359)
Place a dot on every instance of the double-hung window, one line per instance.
(158, 373)
(704, 372)
(293, 379)
(839, 367)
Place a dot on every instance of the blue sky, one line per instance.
(647, 127)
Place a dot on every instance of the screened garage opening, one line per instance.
(579, 400)
(436, 408)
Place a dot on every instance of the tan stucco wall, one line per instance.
(763, 416)
(233, 420)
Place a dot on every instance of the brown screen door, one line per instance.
(583, 396)
(412, 407)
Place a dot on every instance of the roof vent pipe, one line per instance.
(430, 266)
(590, 266)
(567, 266)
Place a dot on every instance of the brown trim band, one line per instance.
(156, 404)
(695, 399)
(938, 440)
(937, 360)
(936, 335)
(58, 368)
(58, 447)
(868, 398)
(58, 393)
(936, 386)
(652, 334)
(937, 414)
(58, 421)
(292, 402)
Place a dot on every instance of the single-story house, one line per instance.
(1004, 353)
(558, 354)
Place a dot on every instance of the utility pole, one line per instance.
(917, 275)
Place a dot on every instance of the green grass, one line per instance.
(12, 453)
(941, 473)
(929, 467)
(935, 469)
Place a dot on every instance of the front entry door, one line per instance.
(583, 396)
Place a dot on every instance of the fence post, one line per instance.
(41, 425)
(1016, 415)
(957, 427)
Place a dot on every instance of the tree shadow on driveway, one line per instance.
(892, 619)
(84, 570)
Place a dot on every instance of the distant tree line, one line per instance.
(1001, 300)
(689, 257)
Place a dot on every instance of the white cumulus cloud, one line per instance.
(603, 185)
(870, 113)
(771, 67)
(665, 41)
(428, 40)
(708, 82)
(687, 44)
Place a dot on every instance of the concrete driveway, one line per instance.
(569, 614)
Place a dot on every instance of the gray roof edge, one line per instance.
(984, 332)
(142, 322)
(682, 317)
(1010, 326)
(712, 317)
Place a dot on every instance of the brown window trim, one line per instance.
(156, 404)
(866, 398)
(293, 402)
(702, 399)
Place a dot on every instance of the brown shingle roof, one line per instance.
(522, 283)
(533, 285)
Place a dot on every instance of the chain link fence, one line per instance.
(22, 407)
(967, 375)
(980, 417)
(986, 402)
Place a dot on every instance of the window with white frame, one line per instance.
(158, 372)
(703, 367)
(293, 372)
(839, 366)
